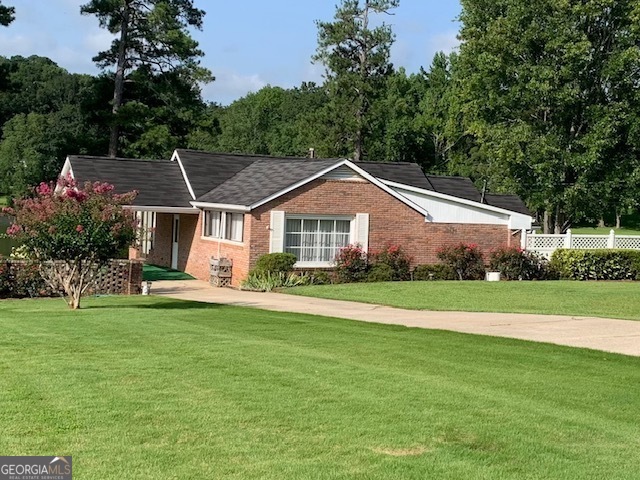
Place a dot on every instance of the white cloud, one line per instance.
(401, 53)
(230, 85)
(16, 44)
(313, 72)
(444, 42)
(98, 40)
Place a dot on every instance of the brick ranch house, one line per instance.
(201, 205)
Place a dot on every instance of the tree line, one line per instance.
(541, 99)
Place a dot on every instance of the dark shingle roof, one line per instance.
(405, 173)
(206, 171)
(246, 179)
(158, 182)
(512, 203)
(461, 187)
(263, 178)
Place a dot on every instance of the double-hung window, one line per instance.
(223, 225)
(316, 240)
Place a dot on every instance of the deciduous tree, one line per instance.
(549, 91)
(72, 232)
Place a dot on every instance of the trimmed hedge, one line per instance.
(274, 263)
(597, 264)
(437, 271)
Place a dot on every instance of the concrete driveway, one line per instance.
(609, 335)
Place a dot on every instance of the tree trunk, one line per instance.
(362, 100)
(557, 224)
(546, 222)
(74, 304)
(118, 90)
(618, 219)
(357, 153)
(601, 223)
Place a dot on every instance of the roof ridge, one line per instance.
(447, 176)
(119, 159)
(251, 155)
(370, 162)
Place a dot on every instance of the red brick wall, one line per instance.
(390, 220)
(160, 254)
(195, 254)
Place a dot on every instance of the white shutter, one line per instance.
(276, 227)
(362, 231)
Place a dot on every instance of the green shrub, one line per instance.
(321, 277)
(465, 260)
(265, 282)
(396, 259)
(516, 264)
(5, 281)
(597, 264)
(381, 272)
(22, 280)
(352, 264)
(437, 271)
(275, 263)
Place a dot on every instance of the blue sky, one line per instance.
(248, 44)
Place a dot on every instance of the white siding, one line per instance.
(448, 211)
(343, 173)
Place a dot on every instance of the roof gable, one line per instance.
(158, 182)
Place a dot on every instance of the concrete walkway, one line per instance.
(619, 336)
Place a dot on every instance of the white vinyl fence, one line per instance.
(547, 244)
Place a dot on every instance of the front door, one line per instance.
(175, 239)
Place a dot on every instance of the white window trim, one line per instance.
(330, 263)
(223, 228)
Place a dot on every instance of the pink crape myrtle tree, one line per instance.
(72, 232)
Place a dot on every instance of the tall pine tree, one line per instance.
(152, 35)
(356, 58)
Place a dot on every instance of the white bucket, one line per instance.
(493, 276)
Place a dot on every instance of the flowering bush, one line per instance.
(516, 264)
(79, 227)
(397, 260)
(464, 259)
(352, 264)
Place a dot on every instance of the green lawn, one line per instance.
(148, 388)
(604, 231)
(596, 299)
